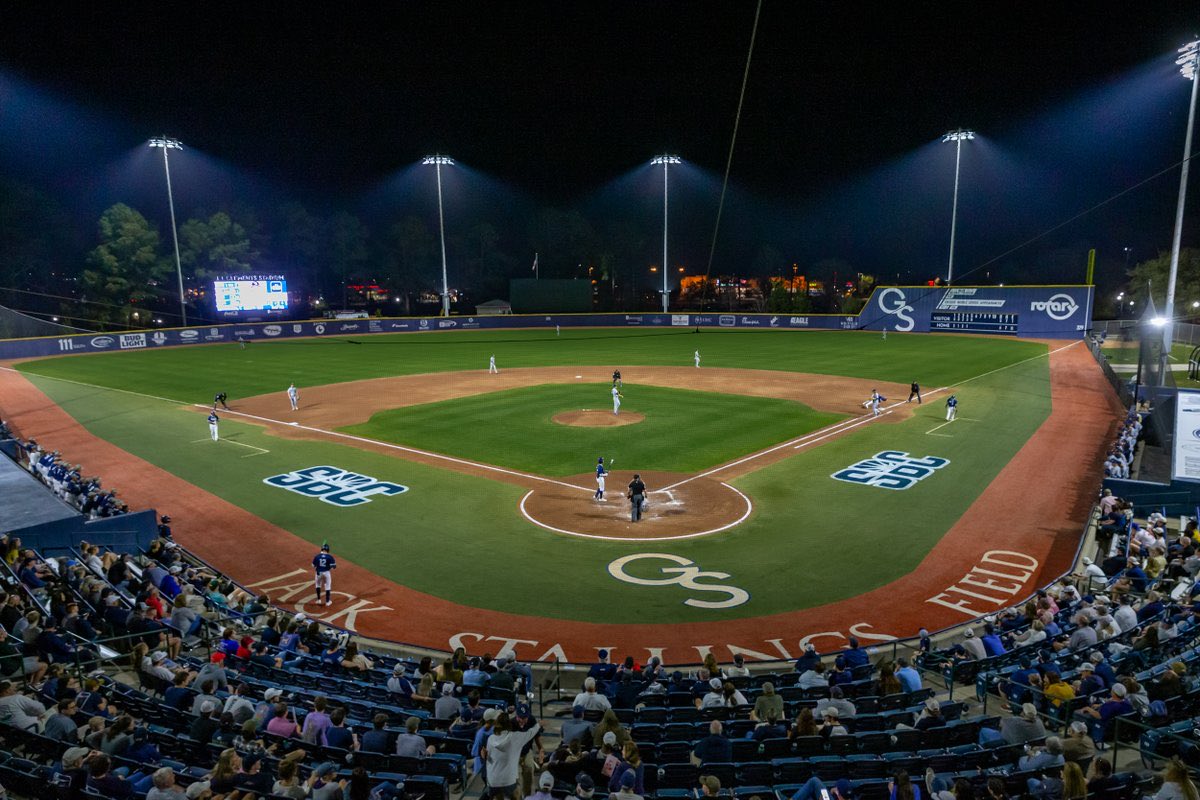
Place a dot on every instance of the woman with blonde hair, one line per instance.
(1177, 783)
(1074, 786)
(710, 664)
(224, 775)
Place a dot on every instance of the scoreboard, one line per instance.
(974, 322)
(251, 293)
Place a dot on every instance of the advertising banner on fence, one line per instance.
(1050, 312)
(1185, 460)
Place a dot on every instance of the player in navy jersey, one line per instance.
(324, 564)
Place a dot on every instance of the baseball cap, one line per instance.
(969, 633)
(546, 781)
(272, 694)
(715, 683)
(74, 756)
(207, 707)
(447, 688)
(217, 657)
(249, 761)
(1087, 561)
(1086, 667)
(198, 788)
(586, 784)
(610, 738)
(166, 518)
(603, 654)
(325, 768)
(398, 669)
(175, 569)
(158, 656)
(490, 714)
(522, 710)
(830, 711)
(1119, 689)
(628, 779)
(739, 659)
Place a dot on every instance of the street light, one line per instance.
(665, 161)
(1189, 65)
(437, 162)
(173, 144)
(957, 137)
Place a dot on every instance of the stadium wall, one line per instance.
(1045, 312)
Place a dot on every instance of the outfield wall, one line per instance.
(1045, 312)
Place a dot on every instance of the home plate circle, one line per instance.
(683, 508)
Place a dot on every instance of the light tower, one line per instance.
(957, 137)
(437, 162)
(666, 161)
(1189, 65)
(166, 144)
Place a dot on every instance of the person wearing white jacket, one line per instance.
(504, 756)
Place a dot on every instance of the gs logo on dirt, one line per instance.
(891, 469)
(334, 485)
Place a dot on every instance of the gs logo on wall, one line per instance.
(333, 485)
(891, 469)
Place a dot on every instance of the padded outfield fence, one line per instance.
(1046, 312)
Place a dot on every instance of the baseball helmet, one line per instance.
(325, 546)
(600, 460)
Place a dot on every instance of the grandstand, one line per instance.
(134, 669)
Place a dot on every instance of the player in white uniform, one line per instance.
(324, 565)
(213, 419)
(951, 407)
(696, 356)
(492, 365)
(601, 474)
(293, 397)
(616, 393)
(876, 400)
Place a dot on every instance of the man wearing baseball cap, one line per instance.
(523, 722)
(585, 787)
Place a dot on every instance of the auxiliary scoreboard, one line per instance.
(973, 322)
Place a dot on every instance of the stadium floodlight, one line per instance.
(166, 143)
(958, 137)
(1158, 322)
(437, 161)
(1189, 64)
(665, 161)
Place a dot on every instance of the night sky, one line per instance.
(837, 154)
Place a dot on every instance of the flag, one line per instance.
(535, 257)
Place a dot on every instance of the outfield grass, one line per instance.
(195, 374)
(684, 431)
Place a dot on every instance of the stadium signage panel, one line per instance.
(102, 341)
(132, 340)
(891, 469)
(333, 485)
(1185, 458)
(680, 320)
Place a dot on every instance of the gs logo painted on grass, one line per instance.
(333, 485)
(891, 469)
(685, 575)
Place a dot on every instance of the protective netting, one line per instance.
(16, 325)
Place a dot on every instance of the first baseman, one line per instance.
(601, 474)
(616, 393)
(213, 419)
(876, 400)
(951, 407)
(324, 564)
(492, 365)
(293, 397)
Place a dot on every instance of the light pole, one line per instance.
(1189, 65)
(666, 161)
(437, 162)
(168, 144)
(957, 137)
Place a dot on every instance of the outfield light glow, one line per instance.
(437, 160)
(1188, 59)
(1158, 322)
(660, 160)
(1189, 62)
(958, 136)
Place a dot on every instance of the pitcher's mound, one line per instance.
(597, 418)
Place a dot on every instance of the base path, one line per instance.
(1019, 534)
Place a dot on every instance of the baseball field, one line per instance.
(460, 503)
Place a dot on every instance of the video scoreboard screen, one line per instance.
(251, 293)
(973, 322)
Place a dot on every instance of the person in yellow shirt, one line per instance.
(1156, 563)
(1057, 690)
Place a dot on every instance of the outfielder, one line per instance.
(293, 397)
(492, 366)
(324, 564)
(951, 407)
(601, 474)
(696, 356)
(213, 419)
(616, 393)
